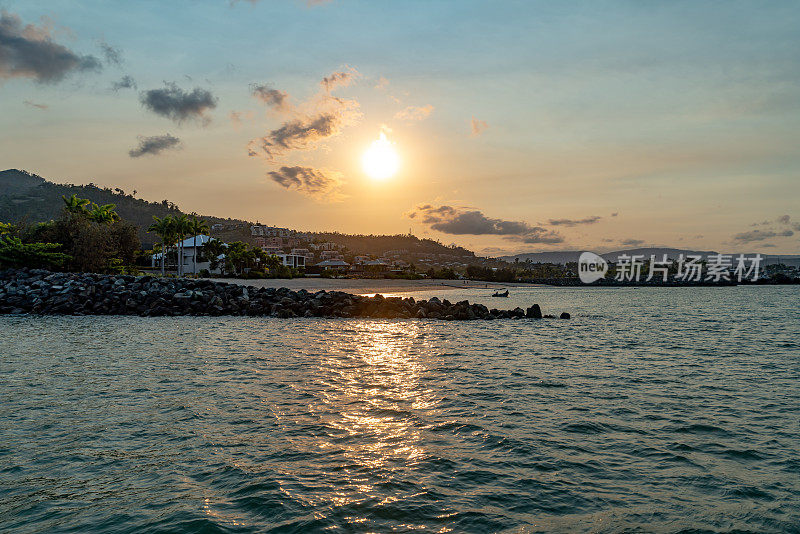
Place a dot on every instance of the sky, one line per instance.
(520, 126)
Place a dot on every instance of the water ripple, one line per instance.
(626, 418)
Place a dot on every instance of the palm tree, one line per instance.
(75, 205)
(197, 226)
(104, 214)
(164, 228)
(182, 230)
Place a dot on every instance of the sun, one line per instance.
(381, 161)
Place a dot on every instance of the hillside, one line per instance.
(30, 198)
(381, 244)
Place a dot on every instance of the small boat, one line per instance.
(498, 294)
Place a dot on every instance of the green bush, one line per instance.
(15, 253)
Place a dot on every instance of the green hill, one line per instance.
(26, 197)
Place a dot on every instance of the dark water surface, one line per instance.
(651, 410)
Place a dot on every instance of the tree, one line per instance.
(181, 228)
(212, 250)
(104, 214)
(75, 205)
(163, 228)
(197, 226)
(15, 253)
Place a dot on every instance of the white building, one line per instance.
(269, 231)
(295, 261)
(189, 253)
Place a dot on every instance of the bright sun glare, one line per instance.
(381, 160)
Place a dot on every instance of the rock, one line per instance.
(564, 315)
(534, 312)
(43, 292)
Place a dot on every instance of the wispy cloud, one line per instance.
(29, 52)
(414, 113)
(574, 222)
(35, 104)
(317, 183)
(178, 105)
(278, 100)
(382, 83)
(761, 235)
(112, 55)
(786, 220)
(126, 82)
(466, 221)
(154, 145)
(339, 79)
(478, 127)
(321, 118)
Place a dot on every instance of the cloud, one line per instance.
(761, 235)
(274, 98)
(632, 242)
(787, 221)
(317, 183)
(113, 56)
(465, 221)
(154, 145)
(478, 126)
(29, 52)
(574, 222)
(339, 79)
(414, 113)
(305, 133)
(178, 105)
(35, 105)
(382, 83)
(126, 82)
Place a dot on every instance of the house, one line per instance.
(376, 267)
(334, 265)
(329, 245)
(191, 248)
(269, 231)
(272, 249)
(303, 252)
(295, 261)
(331, 255)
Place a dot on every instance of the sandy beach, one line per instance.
(363, 286)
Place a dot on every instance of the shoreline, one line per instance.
(43, 292)
(361, 286)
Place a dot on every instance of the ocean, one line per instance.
(652, 409)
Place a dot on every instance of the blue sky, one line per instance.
(679, 117)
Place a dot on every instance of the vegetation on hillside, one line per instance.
(28, 198)
(381, 244)
(86, 237)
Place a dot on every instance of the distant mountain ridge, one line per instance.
(569, 256)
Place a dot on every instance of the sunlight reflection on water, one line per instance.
(649, 409)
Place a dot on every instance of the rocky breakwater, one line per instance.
(45, 292)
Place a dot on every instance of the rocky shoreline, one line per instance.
(50, 293)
